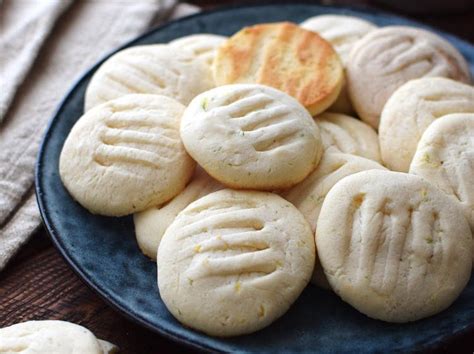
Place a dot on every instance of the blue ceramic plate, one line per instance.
(104, 253)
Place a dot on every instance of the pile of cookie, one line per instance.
(250, 175)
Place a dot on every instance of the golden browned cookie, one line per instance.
(285, 56)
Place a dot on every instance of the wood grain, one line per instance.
(39, 285)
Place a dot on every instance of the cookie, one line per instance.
(308, 196)
(445, 158)
(150, 69)
(151, 224)
(251, 137)
(393, 246)
(55, 337)
(349, 135)
(342, 32)
(285, 56)
(411, 109)
(203, 46)
(388, 57)
(233, 262)
(126, 155)
(339, 30)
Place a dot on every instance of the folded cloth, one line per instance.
(44, 47)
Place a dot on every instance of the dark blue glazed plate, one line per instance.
(104, 253)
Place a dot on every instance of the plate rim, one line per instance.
(38, 175)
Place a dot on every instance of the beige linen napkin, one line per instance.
(44, 47)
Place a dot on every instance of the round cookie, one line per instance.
(55, 337)
(339, 30)
(388, 57)
(342, 32)
(150, 69)
(445, 158)
(151, 224)
(411, 109)
(285, 56)
(349, 135)
(233, 262)
(308, 196)
(251, 137)
(126, 155)
(203, 46)
(393, 246)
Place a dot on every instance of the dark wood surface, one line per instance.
(38, 284)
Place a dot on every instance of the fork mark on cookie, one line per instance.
(128, 86)
(277, 138)
(242, 107)
(107, 155)
(239, 264)
(264, 118)
(234, 219)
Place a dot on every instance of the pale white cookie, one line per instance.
(342, 32)
(308, 196)
(445, 158)
(152, 69)
(108, 347)
(411, 109)
(203, 46)
(388, 57)
(51, 337)
(343, 133)
(251, 136)
(126, 155)
(339, 30)
(233, 262)
(151, 224)
(393, 246)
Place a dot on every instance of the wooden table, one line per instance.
(38, 284)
